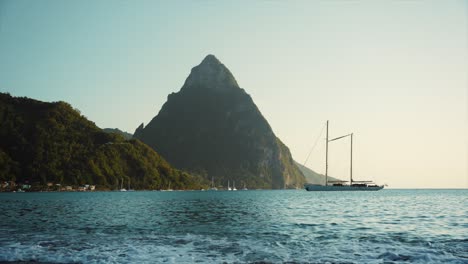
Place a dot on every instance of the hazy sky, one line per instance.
(392, 72)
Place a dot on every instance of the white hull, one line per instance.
(330, 188)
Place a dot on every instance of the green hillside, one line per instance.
(44, 143)
(126, 135)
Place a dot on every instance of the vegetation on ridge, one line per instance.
(44, 143)
(126, 135)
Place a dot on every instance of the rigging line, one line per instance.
(315, 144)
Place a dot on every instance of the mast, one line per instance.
(351, 167)
(326, 159)
(351, 160)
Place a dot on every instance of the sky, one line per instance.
(395, 73)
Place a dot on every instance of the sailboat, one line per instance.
(168, 188)
(129, 189)
(341, 185)
(122, 189)
(229, 187)
(245, 188)
(234, 186)
(213, 188)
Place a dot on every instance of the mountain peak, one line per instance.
(210, 59)
(213, 128)
(210, 74)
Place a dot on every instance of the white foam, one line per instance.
(204, 249)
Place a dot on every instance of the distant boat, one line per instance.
(234, 186)
(229, 188)
(168, 189)
(130, 190)
(213, 188)
(245, 188)
(122, 189)
(341, 185)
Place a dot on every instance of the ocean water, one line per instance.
(388, 226)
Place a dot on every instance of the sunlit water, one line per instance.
(389, 226)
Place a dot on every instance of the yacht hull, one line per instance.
(318, 188)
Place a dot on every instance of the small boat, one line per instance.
(245, 188)
(122, 189)
(234, 186)
(213, 188)
(341, 185)
(129, 189)
(168, 189)
(229, 188)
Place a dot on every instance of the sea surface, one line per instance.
(295, 226)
